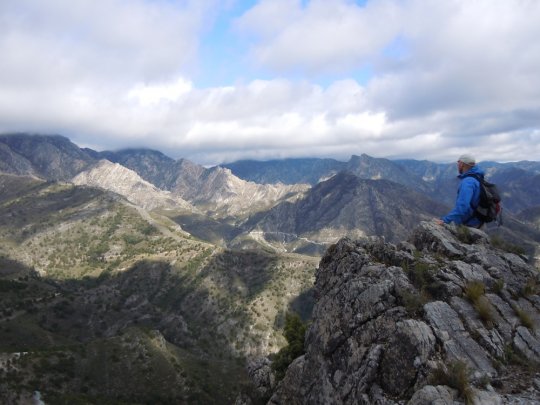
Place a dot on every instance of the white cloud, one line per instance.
(323, 36)
(102, 43)
(151, 94)
(447, 76)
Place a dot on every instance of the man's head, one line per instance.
(465, 162)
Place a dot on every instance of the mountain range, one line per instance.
(290, 205)
(181, 274)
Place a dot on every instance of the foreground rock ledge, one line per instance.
(388, 317)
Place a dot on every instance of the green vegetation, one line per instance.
(474, 290)
(421, 275)
(295, 331)
(464, 234)
(414, 303)
(110, 276)
(531, 287)
(511, 357)
(498, 286)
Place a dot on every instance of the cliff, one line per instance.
(444, 318)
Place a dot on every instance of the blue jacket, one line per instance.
(467, 200)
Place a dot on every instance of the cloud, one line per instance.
(151, 94)
(61, 43)
(445, 77)
(322, 36)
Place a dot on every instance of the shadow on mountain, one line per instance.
(207, 229)
(303, 304)
(154, 333)
(31, 214)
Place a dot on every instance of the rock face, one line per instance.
(215, 191)
(393, 323)
(117, 178)
(221, 194)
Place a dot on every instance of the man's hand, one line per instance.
(438, 221)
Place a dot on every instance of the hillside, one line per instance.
(345, 205)
(517, 180)
(287, 171)
(89, 281)
(130, 277)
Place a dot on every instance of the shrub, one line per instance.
(524, 318)
(531, 287)
(485, 311)
(474, 290)
(498, 286)
(414, 303)
(464, 234)
(456, 376)
(294, 332)
(421, 275)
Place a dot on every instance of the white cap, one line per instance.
(467, 159)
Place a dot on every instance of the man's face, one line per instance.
(460, 166)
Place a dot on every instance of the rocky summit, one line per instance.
(444, 318)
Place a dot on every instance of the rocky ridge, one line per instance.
(222, 194)
(400, 324)
(216, 191)
(115, 177)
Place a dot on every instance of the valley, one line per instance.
(90, 284)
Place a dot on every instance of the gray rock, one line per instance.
(433, 395)
(260, 371)
(386, 316)
(289, 391)
(527, 344)
(407, 352)
(488, 337)
(456, 341)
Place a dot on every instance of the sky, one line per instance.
(218, 81)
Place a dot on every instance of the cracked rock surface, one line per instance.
(391, 319)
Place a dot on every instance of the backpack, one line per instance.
(489, 208)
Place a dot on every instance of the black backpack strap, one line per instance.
(476, 176)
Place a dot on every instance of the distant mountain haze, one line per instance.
(49, 157)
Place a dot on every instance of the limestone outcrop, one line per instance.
(444, 318)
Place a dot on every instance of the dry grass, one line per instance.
(485, 311)
(524, 318)
(474, 290)
(455, 375)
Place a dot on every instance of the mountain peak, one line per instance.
(119, 179)
(52, 157)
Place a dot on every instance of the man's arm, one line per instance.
(462, 210)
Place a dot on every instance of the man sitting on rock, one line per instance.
(468, 196)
